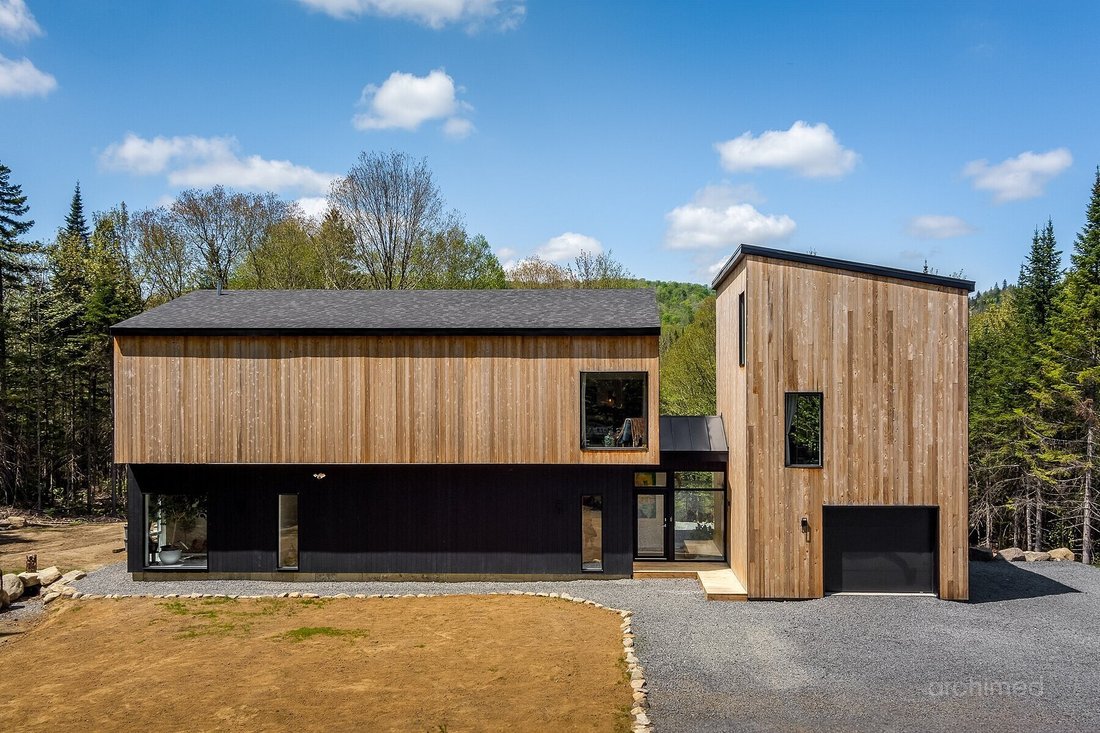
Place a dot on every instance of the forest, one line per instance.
(1034, 344)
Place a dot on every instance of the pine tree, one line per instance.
(13, 270)
(1071, 360)
(75, 223)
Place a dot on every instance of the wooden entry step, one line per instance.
(718, 581)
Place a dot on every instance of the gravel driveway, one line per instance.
(1023, 655)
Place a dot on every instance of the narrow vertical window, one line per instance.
(803, 429)
(592, 533)
(288, 531)
(741, 328)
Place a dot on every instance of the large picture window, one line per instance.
(176, 531)
(803, 429)
(614, 410)
(699, 515)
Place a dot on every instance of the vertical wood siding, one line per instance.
(890, 358)
(731, 379)
(367, 399)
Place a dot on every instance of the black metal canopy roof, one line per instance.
(745, 250)
(693, 434)
(572, 311)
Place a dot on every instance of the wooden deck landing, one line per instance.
(719, 583)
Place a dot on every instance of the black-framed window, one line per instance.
(288, 531)
(592, 533)
(803, 427)
(176, 534)
(614, 410)
(741, 324)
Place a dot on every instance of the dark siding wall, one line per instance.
(404, 519)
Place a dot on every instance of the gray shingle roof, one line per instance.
(693, 434)
(359, 311)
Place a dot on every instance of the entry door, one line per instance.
(651, 524)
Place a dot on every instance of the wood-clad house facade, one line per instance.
(516, 434)
(880, 355)
(409, 434)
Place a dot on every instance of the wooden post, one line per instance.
(32, 563)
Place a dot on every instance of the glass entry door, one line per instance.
(651, 522)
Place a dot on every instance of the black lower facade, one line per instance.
(315, 522)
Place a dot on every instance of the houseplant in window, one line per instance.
(180, 514)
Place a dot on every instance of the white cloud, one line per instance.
(17, 22)
(1022, 177)
(502, 14)
(810, 150)
(565, 247)
(507, 257)
(406, 101)
(23, 79)
(935, 226)
(189, 160)
(718, 217)
(314, 207)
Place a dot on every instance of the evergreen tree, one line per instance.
(1071, 363)
(75, 223)
(13, 270)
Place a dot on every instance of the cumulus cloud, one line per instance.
(474, 14)
(507, 257)
(565, 247)
(406, 101)
(23, 79)
(935, 226)
(718, 217)
(314, 207)
(1022, 177)
(189, 160)
(811, 151)
(17, 23)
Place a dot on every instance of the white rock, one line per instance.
(13, 585)
(73, 575)
(30, 580)
(49, 576)
(50, 597)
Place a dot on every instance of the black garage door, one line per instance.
(880, 549)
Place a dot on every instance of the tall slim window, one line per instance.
(803, 429)
(614, 410)
(288, 531)
(741, 322)
(592, 533)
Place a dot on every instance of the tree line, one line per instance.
(1034, 383)
(386, 227)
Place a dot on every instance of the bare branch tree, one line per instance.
(393, 207)
(164, 264)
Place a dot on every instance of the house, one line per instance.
(515, 434)
(843, 388)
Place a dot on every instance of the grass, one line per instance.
(309, 632)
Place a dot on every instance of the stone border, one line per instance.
(639, 688)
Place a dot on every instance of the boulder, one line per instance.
(49, 576)
(1037, 556)
(30, 580)
(4, 600)
(1062, 554)
(1012, 554)
(50, 597)
(14, 586)
(981, 554)
(15, 522)
(72, 575)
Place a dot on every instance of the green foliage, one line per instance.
(76, 225)
(676, 301)
(456, 261)
(688, 366)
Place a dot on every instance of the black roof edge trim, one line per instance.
(139, 331)
(745, 250)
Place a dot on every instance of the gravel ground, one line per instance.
(1023, 655)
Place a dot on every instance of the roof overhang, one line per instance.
(748, 250)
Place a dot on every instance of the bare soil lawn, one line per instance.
(441, 664)
(86, 545)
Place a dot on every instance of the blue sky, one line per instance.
(664, 132)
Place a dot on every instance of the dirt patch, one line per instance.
(86, 546)
(442, 664)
